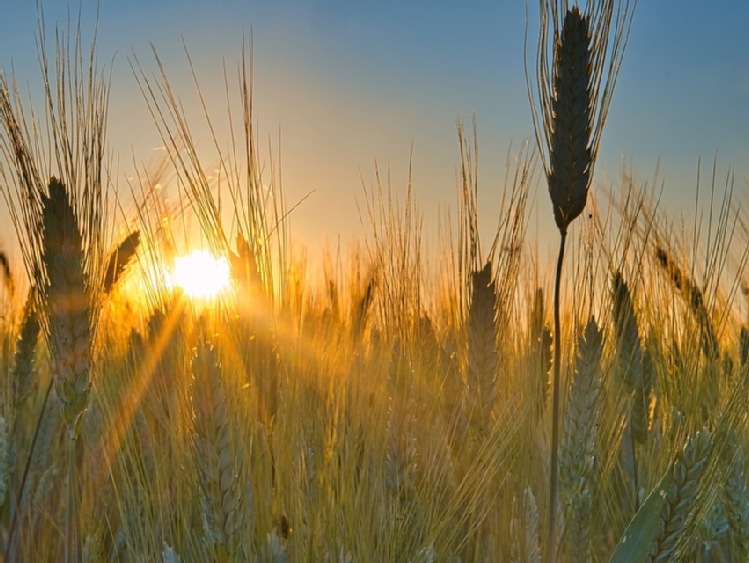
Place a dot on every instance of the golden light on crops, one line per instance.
(200, 274)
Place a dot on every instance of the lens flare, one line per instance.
(200, 274)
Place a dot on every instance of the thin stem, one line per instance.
(72, 552)
(553, 471)
(634, 462)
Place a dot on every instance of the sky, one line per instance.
(347, 83)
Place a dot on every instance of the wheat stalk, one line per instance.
(575, 82)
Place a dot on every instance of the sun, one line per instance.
(201, 274)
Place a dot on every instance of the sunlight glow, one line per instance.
(201, 274)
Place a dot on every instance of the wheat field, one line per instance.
(403, 401)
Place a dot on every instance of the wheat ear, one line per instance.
(119, 260)
(67, 304)
(694, 298)
(540, 349)
(577, 454)
(525, 528)
(23, 366)
(216, 460)
(735, 499)
(681, 495)
(482, 344)
(10, 284)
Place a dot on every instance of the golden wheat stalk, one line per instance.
(576, 70)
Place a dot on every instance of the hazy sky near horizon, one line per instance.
(347, 83)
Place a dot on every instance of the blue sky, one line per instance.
(349, 82)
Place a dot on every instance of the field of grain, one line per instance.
(459, 403)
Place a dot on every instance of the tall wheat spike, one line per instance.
(576, 71)
(482, 344)
(67, 302)
(577, 453)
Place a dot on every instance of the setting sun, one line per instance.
(201, 274)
